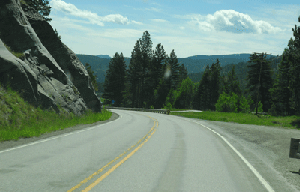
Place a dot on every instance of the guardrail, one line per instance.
(164, 111)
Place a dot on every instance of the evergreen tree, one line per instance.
(161, 93)
(41, 6)
(92, 76)
(214, 84)
(146, 50)
(294, 48)
(108, 93)
(114, 84)
(202, 98)
(155, 72)
(281, 92)
(174, 65)
(225, 83)
(260, 81)
(120, 79)
(231, 86)
(134, 75)
(182, 73)
(234, 85)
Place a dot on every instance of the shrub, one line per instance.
(232, 103)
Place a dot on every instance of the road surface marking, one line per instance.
(118, 164)
(256, 173)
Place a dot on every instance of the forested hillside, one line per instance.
(155, 79)
(241, 71)
(98, 65)
(194, 66)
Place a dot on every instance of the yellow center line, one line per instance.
(117, 165)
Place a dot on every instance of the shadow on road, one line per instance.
(298, 173)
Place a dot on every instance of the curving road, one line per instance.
(139, 151)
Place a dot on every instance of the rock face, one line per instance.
(38, 65)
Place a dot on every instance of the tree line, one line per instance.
(156, 80)
(147, 81)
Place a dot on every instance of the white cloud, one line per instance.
(115, 18)
(231, 21)
(159, 20)
(153, 9)
(136, 22)
(154, 3)
(92, 17)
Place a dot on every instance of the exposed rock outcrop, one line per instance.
(38, 65)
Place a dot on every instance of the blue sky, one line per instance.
(190, 27)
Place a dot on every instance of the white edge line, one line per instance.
(256, 173)
(55, 137)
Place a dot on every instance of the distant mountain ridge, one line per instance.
(242, 55)
(103, 56)
(194, 64)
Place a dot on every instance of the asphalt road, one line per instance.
(138, 151)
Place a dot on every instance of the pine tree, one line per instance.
(108, 93)
(202, 98)
(146, 50)
(174, 65)
(281, 92)
(234, 85)
(120, 79)
(214, 84)
(260, 80)
(161, 93)
(231, 86)
(182, 73)
(92, 76)
(114, 84)
(155, 72)
(295, 72)
(134, 75)
(41, 6)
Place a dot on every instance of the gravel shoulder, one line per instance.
(266, 148)
(22, 141)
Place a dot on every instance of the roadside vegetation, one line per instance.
(290, 122)
(18, 119)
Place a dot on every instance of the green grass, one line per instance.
(291, 122)
(18, 119)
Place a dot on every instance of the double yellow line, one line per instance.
(118, 164)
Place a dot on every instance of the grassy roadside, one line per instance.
(18, 119)
(290, 122)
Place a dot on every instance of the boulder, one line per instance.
(38, 65)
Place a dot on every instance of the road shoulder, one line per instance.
(22, 141)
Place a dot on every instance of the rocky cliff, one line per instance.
(35, 62)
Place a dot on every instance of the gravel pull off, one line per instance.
(266, 148)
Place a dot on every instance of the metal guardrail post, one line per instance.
(295, 149)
